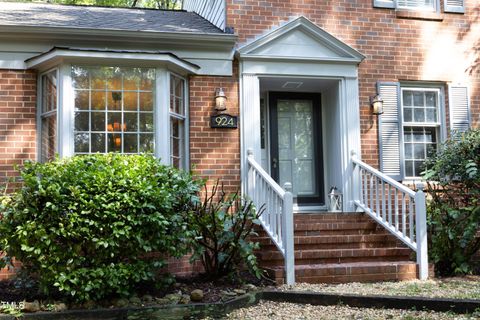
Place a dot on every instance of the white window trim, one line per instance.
(39, 114)
(185, 158)
(440, 125)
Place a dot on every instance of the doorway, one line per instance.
(296, 145)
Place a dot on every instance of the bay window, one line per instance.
(100, 109)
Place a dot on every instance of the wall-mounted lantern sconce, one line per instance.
(220, 100)
(221, 119)
(377, 104)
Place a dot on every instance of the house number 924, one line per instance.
(223, 121)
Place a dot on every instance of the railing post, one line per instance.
(421, 232)
(288, 237)
(250, 178)
(356, 179)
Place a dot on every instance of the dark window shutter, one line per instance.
(459, 108)
(389, 130)
(457, 6)
(384, 4)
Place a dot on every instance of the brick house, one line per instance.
(301, 78)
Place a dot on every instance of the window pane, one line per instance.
(131, 79)
(98, 121)
(81, 121)
(49, 137)
(81, 142)
(114, 120)
(431, 115)
(146, 101)
(82, 100)
(419, 151)
(419, 115)
(98, 100)
(98, 78)
(131, 121)
(408, 151)
(130, 101)
(114, 142)
(98, 142)
(431, 99)
(80, 78)
(130, 144)
(409, 168)
(407, 114)
(146, 80)
(146, 122)
(49, 91)
(146, 143)
(114, 79)
(177, 95)
(407, 98)
(418, 99)
(418, 168)
(114, 100)
(176, 142)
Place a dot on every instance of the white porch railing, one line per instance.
(277, 218)
(397, 208)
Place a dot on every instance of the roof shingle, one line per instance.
(104, 18)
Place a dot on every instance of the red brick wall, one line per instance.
(17, 127)
(17, 120)
(396, 48)
(214, 153)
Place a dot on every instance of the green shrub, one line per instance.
(90, 225)
(454, 203)
(222, 225)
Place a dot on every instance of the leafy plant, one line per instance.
(222, 225)
(454, 204)
(92, 225)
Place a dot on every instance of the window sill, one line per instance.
(419, 15)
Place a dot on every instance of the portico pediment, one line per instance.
(300, 39)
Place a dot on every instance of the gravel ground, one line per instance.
(288, 311)
(461, 288)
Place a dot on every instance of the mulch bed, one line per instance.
(17, 290)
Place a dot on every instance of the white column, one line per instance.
(162, 115)
(250, 118)
(66, 112)
(350, 127)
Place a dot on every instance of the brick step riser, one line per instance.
(280, 263)
(329, 246)
(299, 233)
(320, 254)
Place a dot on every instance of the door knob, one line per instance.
(274, 163)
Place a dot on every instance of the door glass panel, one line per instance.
(295, 146)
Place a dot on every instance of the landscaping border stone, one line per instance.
(216, 310)
(391, 302)
(177, 311)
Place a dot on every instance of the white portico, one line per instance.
(300, 110)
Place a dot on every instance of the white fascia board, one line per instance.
(58, 56)
(191, 39)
